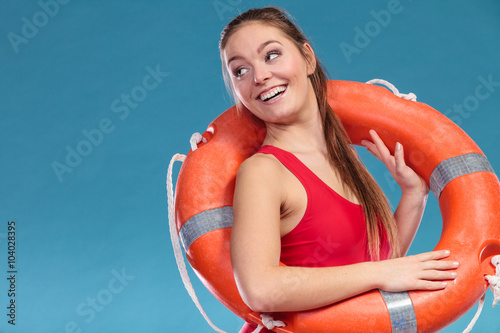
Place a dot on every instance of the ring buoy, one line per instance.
(456, 170)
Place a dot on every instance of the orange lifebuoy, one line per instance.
(452, 164)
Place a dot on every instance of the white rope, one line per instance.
(410, 96)
(269, 323)
(181, 265)
(196, 138)
(476, 316)
(258, 329)
(267, 320)
(494, 281)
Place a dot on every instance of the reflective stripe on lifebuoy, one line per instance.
(456, 170)
(455, 167)
(204, 222)
(401, 311)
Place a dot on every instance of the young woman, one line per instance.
(304, 198)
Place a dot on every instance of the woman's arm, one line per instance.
(414, 190)
(408, 215)
(265, 286)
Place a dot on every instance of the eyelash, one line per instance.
(236, 72)
(267, 57)
(270, 53)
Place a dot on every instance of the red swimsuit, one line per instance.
(332, 231)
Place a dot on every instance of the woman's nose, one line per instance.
(261, 75)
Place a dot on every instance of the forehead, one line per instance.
(248, 38)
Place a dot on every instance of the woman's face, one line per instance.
(269, 75)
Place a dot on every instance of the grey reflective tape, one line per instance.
(454, 167)
(204, 222)
(401, 311)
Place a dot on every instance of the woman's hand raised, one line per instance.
(414, 189)
(407, 179)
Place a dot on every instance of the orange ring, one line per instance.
(438, 150)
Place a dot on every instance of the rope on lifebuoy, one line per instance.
(269, 323)
(410, 96)
(196, 138)
(267, 320)
(181, 265)
(494, 281)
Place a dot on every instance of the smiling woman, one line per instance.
(306, 186)
(275, 69)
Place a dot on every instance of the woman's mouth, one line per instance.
(272, 94)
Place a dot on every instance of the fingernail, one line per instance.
(398, 146)
(456, 263)
(454, 274)
(447, 251)
(445, 284)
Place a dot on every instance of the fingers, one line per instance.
(435, 272)
(435, 275)
(433, 255)
(407, 179)
(434, 264)
(371, 148)
(377, 147)
(380, 146)
(432, 285)
(434, 260)
(434, 280)
(425, 271)
(399, 158)
(440, 265)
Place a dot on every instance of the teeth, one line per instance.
(272, 93)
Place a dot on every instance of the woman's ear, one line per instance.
(310, 58)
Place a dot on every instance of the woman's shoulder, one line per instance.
(259, 183)
(259, 174)
(263, 165)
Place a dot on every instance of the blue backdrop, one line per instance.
(96, 96)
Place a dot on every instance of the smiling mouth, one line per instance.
(272, 94)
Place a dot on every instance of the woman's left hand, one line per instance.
(407, 179)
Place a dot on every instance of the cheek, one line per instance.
(295, 69)
(242, 90)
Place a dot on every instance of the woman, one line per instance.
(304, 198)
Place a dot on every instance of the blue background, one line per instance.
(64, 71)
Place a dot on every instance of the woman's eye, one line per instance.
(272, 55)
(240, 71)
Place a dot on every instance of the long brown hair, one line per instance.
(379, 217)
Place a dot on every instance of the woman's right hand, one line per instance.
(425, 271)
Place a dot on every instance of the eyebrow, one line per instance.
(259, 49)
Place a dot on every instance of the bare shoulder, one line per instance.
(260, 168)
(259, 182)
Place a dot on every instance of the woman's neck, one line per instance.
(303, 135)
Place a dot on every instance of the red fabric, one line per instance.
(332, 231)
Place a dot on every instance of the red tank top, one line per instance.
(332, 231)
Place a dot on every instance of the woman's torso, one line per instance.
(326, 229)
(320, 227)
